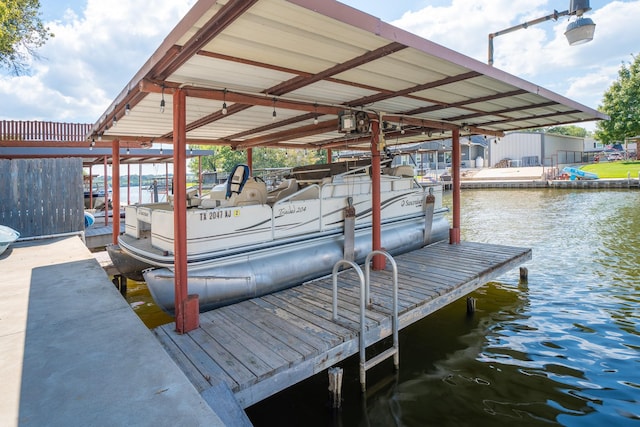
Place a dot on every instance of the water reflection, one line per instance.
(564, 349)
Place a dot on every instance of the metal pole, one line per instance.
(378, 261)
(186, 307)
(115, 183)
(555, 15)
(454, 233)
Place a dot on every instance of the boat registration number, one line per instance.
(210, 215)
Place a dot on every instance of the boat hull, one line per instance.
(260, 272)
(7, 236)
(128, 266)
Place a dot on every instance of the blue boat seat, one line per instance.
(237, 179)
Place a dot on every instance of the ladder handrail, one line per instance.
(394, 318)
(364, 303)
(334, 274)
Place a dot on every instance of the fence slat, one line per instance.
(11, 130)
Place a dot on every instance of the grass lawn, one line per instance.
(618, 169)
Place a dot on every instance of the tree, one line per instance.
(622, 103)
(226, 158)
(570, 130)
(21, 33)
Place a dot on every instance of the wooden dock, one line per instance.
(261, 346)
(99, 235)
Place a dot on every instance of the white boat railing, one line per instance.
(365, 303)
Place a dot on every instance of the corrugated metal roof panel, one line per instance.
(319, 56)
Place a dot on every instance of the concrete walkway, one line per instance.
(73, 353)
(505, 174)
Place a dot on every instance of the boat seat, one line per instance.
(253, 193)
(237, 180)
(403, 170)
(286, 188)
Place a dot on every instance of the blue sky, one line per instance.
(99, 46)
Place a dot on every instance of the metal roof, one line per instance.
(306, 61)
(97, 155)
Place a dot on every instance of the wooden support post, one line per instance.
(335, 387)
(471, 306)
(120, 282)
(524, 275)
(429, 204)
(349, 231)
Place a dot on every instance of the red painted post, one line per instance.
(379, 261)
(329, 153)
(250, 160)
(106, 194)
(115, 185)
(186, 307)
(200, 176)
(90, 186)
(454, 233)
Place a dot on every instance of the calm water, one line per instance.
(563, 349)
(140, 195)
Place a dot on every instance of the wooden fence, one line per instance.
(33, 131)
(40, 197)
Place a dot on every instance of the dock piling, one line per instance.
(471, 306)
(335, 387)
(524, 275)
(121, 283)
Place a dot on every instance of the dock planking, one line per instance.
(261, 346)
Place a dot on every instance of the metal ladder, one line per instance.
(364, 303)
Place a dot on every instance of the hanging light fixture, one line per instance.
(161, 149)
(162, 103)
(224, 102)
(274, 109)
(127, 110)
(91, 145)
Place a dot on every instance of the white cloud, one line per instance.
(98, 49)
(94, 54)
(539, 53)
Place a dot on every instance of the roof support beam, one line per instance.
(225, 17)
(504, 111)
(287, 135)
(432, 108)
(542, 116)
(407, 91)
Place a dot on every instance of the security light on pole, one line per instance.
(578, 32)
